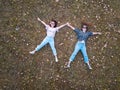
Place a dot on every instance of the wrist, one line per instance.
(99, 33)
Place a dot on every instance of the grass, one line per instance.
(21, 32)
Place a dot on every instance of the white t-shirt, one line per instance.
(51, 31)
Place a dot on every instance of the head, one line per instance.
(84, 27)
(53, 23)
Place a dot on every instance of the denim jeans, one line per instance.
(80, 47)
(47, 40)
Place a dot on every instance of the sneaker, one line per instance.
(68, 66)
(90, 67)
(56, 59)
(32, 52)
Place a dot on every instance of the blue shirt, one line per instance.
(82, 35)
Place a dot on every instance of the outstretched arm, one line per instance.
(97, 33)
(41, 21)
(61, 26)
(68, 24)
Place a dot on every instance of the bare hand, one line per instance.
(68, 24)
(99, 33)
(38, 19)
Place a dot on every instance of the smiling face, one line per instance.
(53, 23)
(84, 28)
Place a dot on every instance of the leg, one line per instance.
(84, 52)
(44, 42)
(76, 50)
(52, 45)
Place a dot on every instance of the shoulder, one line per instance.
(56, 29)
(47, 26)
(77, 29)
(90, 33)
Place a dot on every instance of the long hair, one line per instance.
(86, 24)
(54, 22)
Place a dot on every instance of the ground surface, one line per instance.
(20, 32)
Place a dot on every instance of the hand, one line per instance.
(57, 0)
(99, 33)
(68, 24)
(38, 19)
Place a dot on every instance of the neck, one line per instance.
(84, 31)
(51, 26)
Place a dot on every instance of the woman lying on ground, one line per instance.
(51, 30)
(82, 35)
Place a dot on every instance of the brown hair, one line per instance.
(54, 22)
(86, 24)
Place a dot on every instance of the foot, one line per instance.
(56, 59)
(69, 63)
(32, 52)
(90, 67)
(68, 66)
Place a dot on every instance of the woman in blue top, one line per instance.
(82, 35)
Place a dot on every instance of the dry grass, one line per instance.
(20, 33)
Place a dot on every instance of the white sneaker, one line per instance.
(68, 66)
(56, 59)
(90, 67)
(32, 52)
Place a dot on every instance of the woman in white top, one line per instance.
(51, 30)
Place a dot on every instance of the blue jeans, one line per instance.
(47, 40)
(80, 46)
